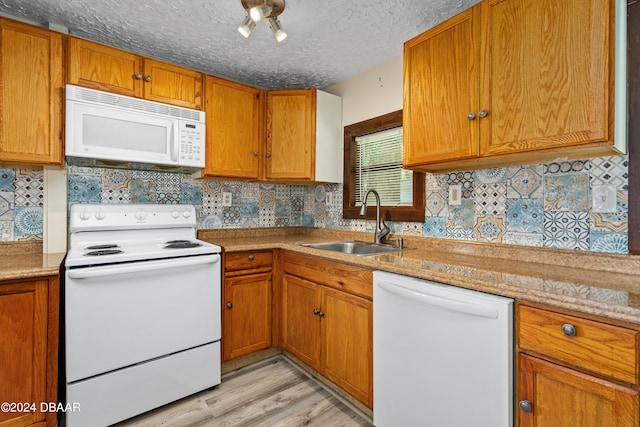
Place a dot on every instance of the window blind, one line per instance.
(379, 167)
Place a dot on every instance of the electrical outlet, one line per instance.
(328, 197)
(227, 199)
(455, 194)
(603, 198)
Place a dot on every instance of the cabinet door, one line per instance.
(23, 349)
(300, 322)
(291, 134)
(546, 68)
(247, 315)
(171, 84)
(105, 68)
(347, 341)
(441, 90)
(563, 397)
(233, 129)
(31, 91)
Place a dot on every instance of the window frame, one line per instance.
(414, 213)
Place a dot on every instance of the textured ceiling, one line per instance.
(328, 41)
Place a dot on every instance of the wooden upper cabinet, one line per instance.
(290, 134)
(171, 84)
(546, 74)
(113, 70)
(304, 136)
(233, 129)
(105, 68)
(31, 90)
(441, 90)
(511, 81)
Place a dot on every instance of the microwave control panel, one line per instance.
(191, 138)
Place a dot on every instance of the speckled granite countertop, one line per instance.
(26, 260)
(599, 284)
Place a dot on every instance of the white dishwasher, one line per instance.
(442, 355)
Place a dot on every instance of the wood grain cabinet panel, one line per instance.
(113, 70)
(574, 371)
(329, 328)
(595, 346)
(31, 94)
(511, 81)
(28, 350)
(101, 67)
(560, 396)
(247, 308)
(233, 112)
(290, 134)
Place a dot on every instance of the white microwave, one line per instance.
(116, 128)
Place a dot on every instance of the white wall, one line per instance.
(373, 93)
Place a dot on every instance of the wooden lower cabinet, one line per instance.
(560, 396)
(246, 304)
(347, 337)
(575, 371)
(28, 351)
(300, 319)
(329, 329)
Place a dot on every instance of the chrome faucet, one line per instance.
(381, 228)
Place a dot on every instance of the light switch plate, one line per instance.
(603, 198)
(455, 194)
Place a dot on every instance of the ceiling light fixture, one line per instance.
(261, 9)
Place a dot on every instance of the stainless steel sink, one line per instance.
(354, 247)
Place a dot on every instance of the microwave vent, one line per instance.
(106, 98)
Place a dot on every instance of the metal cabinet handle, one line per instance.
(137, 76)
(315, 311)
(268, 154)
(256, 153)
(147, 78)
(250, 257)
(483, 114)
(471, 115)
(321, 313)
(229, 305)
(569, 330)
(526, 406)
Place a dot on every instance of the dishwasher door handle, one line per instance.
(470, 308)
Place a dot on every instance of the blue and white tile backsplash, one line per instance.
(21, 196)
(544, 205)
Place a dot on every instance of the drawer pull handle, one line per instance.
(525, 405)
(229, 305)
(250, 257)
(569, 330)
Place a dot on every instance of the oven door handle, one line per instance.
(88, 273)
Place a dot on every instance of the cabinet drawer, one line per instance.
(605, 349)
(248, 260)
(348, 278)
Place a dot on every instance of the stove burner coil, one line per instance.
(104, 252)
(105, 246)
(182, 245)
(170, 242)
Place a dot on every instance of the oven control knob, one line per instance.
(85, 215)
(141, 215)
(99, 215)
(186, 214)
(175, 214)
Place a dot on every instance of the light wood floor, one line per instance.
(270, 393)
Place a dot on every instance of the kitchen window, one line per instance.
(373, 160)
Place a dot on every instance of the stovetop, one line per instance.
(108, 234)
